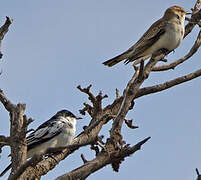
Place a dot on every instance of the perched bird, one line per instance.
(166, 33)
(58, 131)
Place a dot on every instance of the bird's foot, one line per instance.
(51, 156)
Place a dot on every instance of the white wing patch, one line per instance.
(46, 131)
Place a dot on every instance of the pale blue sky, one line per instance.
(53, 46)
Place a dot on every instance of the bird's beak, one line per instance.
(77, 118)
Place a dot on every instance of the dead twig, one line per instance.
(168, 84)
(117, 93)
(198, 174)
(83, 159)
(4, 30)
(129, 123)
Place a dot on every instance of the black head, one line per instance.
(66, 113)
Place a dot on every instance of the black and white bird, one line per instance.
(58, 131)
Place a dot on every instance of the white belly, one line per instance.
(58, 141)
(170, 40)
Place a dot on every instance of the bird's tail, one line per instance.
(5, 170)
(115, 60)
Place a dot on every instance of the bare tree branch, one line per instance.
(101, 160)
(3, 31)
(117, 93)
(92, 98)
(87, 108)
(189, 20)
(5, 140)
(168, 84)
(96, 111)
(129, 123)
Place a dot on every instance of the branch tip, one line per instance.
(197, 171)
(144, 141)
(129, 123)
(83, 158)
(117, 93)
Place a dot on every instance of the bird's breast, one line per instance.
(173, 36)
(170, 40)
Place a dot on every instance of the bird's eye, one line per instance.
(178, 17)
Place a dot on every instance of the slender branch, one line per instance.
(197, 171)
(117, 93)
(129, 123)
(168, 84)
(105, 118)
(4, 140)
(96, 111)
(87, 108)
(4, 30)
(92, 98)
(83, 159)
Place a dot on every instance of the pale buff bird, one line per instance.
(166, 33)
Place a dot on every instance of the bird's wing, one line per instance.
(44, 132)
(148, 39)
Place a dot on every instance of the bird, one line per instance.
(58, 131)
(165, 34)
